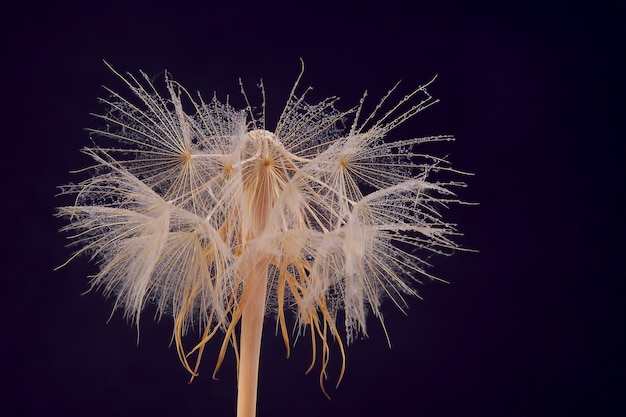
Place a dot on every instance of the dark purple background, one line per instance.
(533, 325)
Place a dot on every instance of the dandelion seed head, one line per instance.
(192, 208)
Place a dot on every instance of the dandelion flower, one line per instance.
(202, 211)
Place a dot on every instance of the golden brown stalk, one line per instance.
(250, 342)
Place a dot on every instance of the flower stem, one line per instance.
(250, 342)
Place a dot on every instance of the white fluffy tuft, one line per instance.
(189, 203)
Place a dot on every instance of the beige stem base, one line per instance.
(250, 343)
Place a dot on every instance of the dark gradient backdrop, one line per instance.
(532, 325)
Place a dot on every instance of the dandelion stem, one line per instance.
(253, 312)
